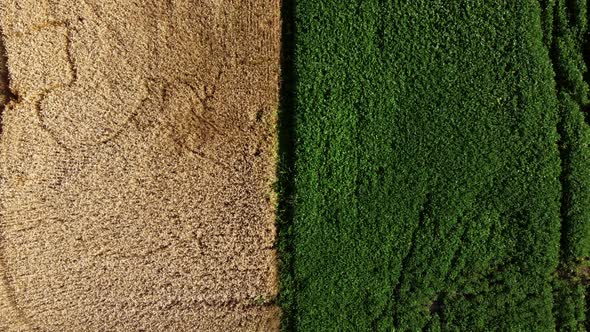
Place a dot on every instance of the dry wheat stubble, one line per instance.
(136, 165)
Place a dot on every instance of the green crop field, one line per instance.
(441, 170)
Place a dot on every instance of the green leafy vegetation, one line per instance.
(427, 180)
(566, 28)
(567, 51)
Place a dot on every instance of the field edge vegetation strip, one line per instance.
(286, 167)
(566, 37)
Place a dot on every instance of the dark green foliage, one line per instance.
(567, 44)
(575, 151)
(567, 53)
(427, 191)
(569, 293)
(570, 312)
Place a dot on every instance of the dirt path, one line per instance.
(136, 165)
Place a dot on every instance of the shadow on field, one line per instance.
(286, 168)
(5, 94)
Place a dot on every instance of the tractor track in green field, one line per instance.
(568, 42)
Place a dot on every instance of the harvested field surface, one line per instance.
(137, 160)
(440, 146)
